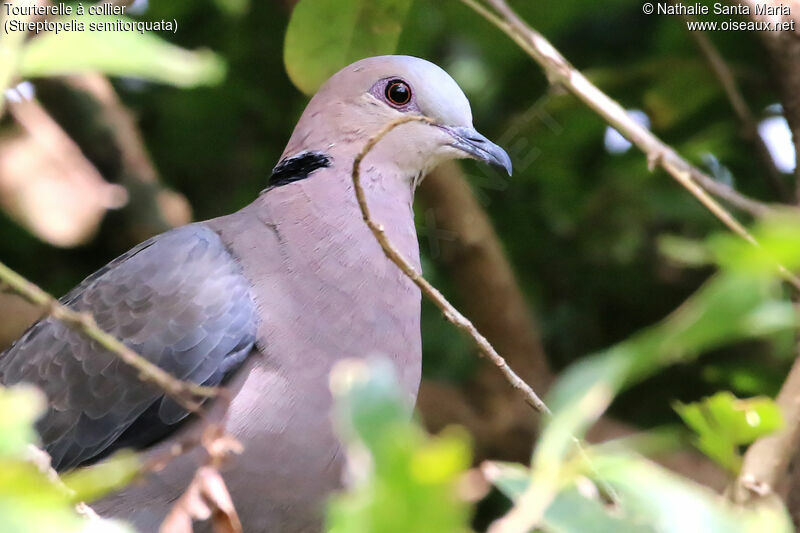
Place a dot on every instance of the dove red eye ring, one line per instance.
(398, 93)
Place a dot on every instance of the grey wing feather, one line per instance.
(180, 300)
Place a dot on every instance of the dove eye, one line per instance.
(398, 92)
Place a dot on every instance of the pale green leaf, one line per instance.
(406, 480)
(723, 423)
(688, 252)
(20, 406)
(31, 503)
(650, 498)
(779, 244)
(671, 504)
(569, 511)
(92, 482)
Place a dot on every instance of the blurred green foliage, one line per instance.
(740, 301)
(93, 482)
(646, 497)
(31, 499)
(403, 480)
(724, 423)
(626, 492)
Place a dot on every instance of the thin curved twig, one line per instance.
(448, 310)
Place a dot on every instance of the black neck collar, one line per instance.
(297, 167)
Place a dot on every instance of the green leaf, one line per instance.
(748, 377)
(235, 8)
(30, 502)
(118, 53)
(20, 406)
(325, 35)
(728, 308)
(369, 401)
(658, 441)
(733, 305)
(779, 243)
(95, 481)
(512, 479)
(650, 498)
(670, 504)
(405, 480)
(723, 423)
(570, 511)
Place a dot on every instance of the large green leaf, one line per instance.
(326, 35)
(672, 504)
(737, 303)
(93, 482)
(118, 53)
(570, 510)
(649, 498)
(31, 500)
(779, 245)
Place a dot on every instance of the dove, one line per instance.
(263, 301)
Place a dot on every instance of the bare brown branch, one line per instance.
(39, 125)
(469, 249)
(766, 461)
(187, 394)
(48, 184)
(559, 71)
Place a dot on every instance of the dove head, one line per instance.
(361, 99)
